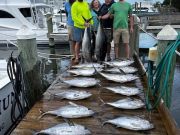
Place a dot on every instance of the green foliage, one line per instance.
(173, 3)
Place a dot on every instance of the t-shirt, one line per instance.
(95, 20)
(68, 11)
(78, 11)
(120, 10)
(106, 23)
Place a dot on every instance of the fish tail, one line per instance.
(42, 115)
(103, 103)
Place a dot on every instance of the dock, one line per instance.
(31, 124)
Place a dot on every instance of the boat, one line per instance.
(15, 14)
(6, 98)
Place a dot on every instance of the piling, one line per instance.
(165, 37)
(50, 29)
(27, 47)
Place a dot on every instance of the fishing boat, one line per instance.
(6, 98)
(15, 14)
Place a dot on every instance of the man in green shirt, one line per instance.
(121, 11)
(80, 12)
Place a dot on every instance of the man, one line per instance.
(80, 12)
(70, 25)
(121, 10)
(107, 24)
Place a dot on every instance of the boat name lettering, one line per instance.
(4, 103)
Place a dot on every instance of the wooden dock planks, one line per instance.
(31, 124)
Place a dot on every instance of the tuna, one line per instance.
(84, 72)
(100, 44)
(65, 129)
(127, 103)
(86, 46)
(88, 65)
(71, 111)
(119, 78)
(131, 123)
(73, 95)
(126, 70)
(82, 82)
(119, 63)
(123, 90)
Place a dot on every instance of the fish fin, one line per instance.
(70, 123)
(71, 103)
(84, 18)
(121, 71)
(103, 103)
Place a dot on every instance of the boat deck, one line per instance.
(31, 124)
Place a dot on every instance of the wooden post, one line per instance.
(26, 40)
(50, 29)
(165, 36)
(54, 63)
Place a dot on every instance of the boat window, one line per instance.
(4, 14)
(26, 12)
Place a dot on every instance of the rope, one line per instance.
(56, 54)
(158, 80)
(178, 53)
(7, 35)
(147, 32)
(15, 75)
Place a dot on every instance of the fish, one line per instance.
(86, 46)
(73, 95)
(100, 44)
(71, 111)
(126, 70)
(119, 78)
(65, 129)
(119, 63)
(82, 82)
(88, 65)
(127, 103)
(84, 71)
(131, 123)
(123, 90)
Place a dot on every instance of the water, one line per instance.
(49, 68)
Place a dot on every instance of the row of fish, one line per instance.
(128, 122)
(78, 111)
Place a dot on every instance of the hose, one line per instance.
(158, 79)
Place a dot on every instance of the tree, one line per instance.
(173, 3)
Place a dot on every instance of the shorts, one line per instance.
(78, 34)
(70, 32)
(108, 34)
(117, 34)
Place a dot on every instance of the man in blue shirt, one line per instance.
(70, 25)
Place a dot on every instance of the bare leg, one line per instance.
(77, 50)
(116, 51)
(127, 50)
(72, 48)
